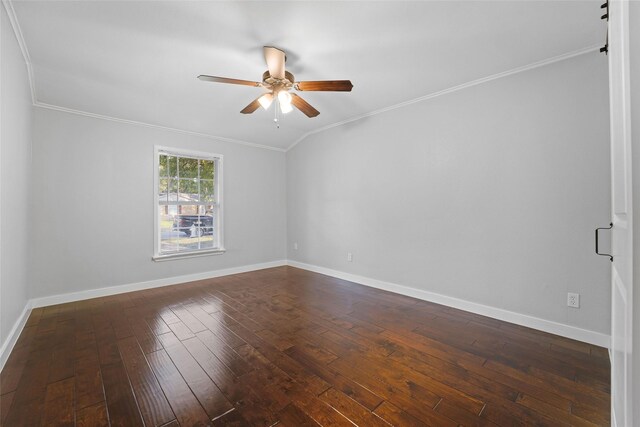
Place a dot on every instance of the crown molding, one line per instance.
(25, 53)
(13, 19)
(471, 83)
(154, 126)
(15, 25)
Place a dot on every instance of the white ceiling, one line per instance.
(139, 60)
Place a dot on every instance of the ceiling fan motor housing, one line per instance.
(278, 84)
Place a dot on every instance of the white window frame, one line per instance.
(218, 202)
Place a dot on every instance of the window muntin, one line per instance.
(188, 203)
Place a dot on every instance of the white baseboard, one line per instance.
(10, 342)
(579, 334)
(12, 338)
(113, 290)
(568, 331)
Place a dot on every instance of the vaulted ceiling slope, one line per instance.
(139, 60)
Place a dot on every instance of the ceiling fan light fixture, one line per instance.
(266, 100)
(284, 98)
(286, 108)
(277, 81)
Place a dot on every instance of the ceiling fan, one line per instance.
(279, 83)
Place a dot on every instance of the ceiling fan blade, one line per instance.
(303, 106)
(325, 85)
(275, 59)
(253, 106)
(227, 80)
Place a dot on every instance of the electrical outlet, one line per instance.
(573, 300)
(295, 246)
(349, 257)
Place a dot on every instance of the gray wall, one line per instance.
(489, 194)
(15, 182)
(93, 204)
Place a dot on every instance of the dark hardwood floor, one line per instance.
(288, 347)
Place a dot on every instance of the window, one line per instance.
(188, 204)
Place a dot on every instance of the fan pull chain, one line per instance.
(276, 119)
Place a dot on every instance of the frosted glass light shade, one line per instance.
(266, 100)
(284, 98)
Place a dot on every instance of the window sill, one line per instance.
(170, 257)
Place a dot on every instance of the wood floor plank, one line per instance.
(348, 386)
(292, 416)
(459, 378)
(93, 416)
(351, 409)
(12, 372)
(152, 404)
(63, 357)
(157, 325)
(121, 404)
(187, 408)
(188, 319)
(416, 401)
(591, 412)
(232, 418)
(227, 355)
(88, 377)
(461, 415)
(58, 406)
(215, 327)
(557, 414)
(28, 400)
(279, 341)
(288, 347)
(396, 416)
(106, 341)
(321, 412)
(284, 362)
(145, 337)
(397, 375)
(181, 331)
(206, 391)
(5, 404)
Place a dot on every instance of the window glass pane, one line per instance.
(162, 169)
(188, 168)
(186, 225)
(190, 237)
(163, 188)
(169, 242)
(189, 190)
(206, 190)
(169, 238)
(206, 169)
(172, 162)
(171, 210)
(207, 221)
(173, 190)
(165, 218)
(207, 241)
(186, 212)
